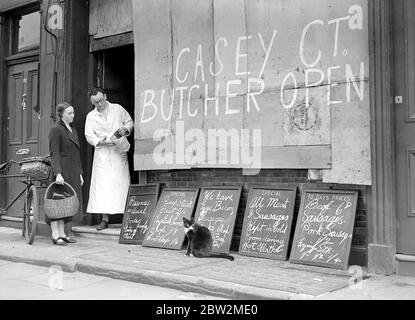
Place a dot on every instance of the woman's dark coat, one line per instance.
(65, 157)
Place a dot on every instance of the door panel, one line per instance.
(405, 186)
(32, 126)
(22, 125)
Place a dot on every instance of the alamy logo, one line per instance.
(55, 21)
(211, 146)
(356, 277)
(55, 280)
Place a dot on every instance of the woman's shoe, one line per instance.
(68, 240)
(58, 242)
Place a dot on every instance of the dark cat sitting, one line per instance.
(200, 241)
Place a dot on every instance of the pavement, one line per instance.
(22, 281)
(244, 278)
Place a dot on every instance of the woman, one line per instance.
(66, 164)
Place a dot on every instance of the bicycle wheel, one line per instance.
(31, 214)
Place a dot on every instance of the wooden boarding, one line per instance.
(268, 222)
(166, 227)
(216, 209)
(141, 201)
(324, 228)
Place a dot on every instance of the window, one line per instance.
(26, 32)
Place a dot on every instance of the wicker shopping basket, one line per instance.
(66, 206)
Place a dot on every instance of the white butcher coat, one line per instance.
(110, 177)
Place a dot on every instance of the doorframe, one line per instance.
(3, 89)
(382, 213)
(7, 58)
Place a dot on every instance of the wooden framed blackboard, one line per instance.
(324, 228)
(166, 227)
(141, 201)
(267, 222)
(216, 209)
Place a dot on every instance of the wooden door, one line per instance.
(404, 110)
(22, 124)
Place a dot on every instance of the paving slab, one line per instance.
(111, 289)
(69, 281)
(242, 272)
(77, 285)
(146, 258)
(16, 289)
(19, 271)
(392, 287)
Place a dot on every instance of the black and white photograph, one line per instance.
(207, 158)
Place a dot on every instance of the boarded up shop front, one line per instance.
(280, 86)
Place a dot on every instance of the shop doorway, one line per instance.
(20, 103)
(115, 73)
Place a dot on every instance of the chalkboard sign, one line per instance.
(324, 228)
(216, 209)
(141, 201)
(166, 227)
(267, 222)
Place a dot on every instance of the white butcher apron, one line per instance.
(110, 179)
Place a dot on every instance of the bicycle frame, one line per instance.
(29, 182)
(31, 205)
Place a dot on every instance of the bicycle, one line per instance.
(34, 169)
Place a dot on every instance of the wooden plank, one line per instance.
(12, 4)
(230, 24)
(154, 115)
(153, 61)
(302, 157)
(230, 118)
(146, 162)
(145, 146)
(45, 85)
(192, 54)
(350, 138)
(93, 17)
(109, 18)
(308, 121)
(269, 119)
(290, 19)
(190, 114)
(111, 41)
(153, 66)
(187, 128)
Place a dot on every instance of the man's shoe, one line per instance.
(103, 225)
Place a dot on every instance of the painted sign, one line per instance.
(141, 201)
(216, 209)
(268, 222)
(324, 228)
(166, 227)
(252, 84)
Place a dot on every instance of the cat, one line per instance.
(200, 241)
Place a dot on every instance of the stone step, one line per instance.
(111, 233)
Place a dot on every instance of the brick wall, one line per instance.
(232, 177)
